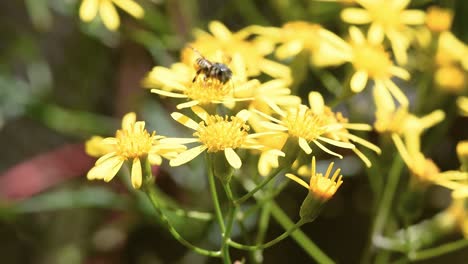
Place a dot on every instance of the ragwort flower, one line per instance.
(317, 105)
(372, 62)
(90, 8)
(179, 82)
(297, 36)
(301, 123)
(229, 43)
(321, 186)
(216, 134)
(131, 143)
(387, 17)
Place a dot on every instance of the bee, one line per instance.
(216, 70)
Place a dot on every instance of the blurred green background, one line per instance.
(62, 81)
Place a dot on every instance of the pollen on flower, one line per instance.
(134, 142)
(218, 133)
(302, 122)
(372, 59)
(207, 90)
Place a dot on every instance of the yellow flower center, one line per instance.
(207, 90)
(323, 187)
(133, 143)
(302, 122)
(373, 60)
(218, 133)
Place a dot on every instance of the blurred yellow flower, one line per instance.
(450, 50)
(132, 143)
(387, 17)
(90, 8)
(439, 19)
(178, 82)
(450, 78)
(372, 62)
(318, 107)
(229, 43)
(216, 134)
(298, 36)
(301, 123)
(320, 186)
(462, 103)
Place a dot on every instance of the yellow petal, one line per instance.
(128, 121)
(179, 140)
(185, 120)
(413, 17)
(297, 179)
(274, 69)
(317, 105)
(168, 94)
(232, 158)
(395, 90)
(220, 31)
(337, 143)
(200, 112)
(358, 81)
(88, 10)
(375, 34)
(154, 159)
(356, 35)
(109, 15)
(399, 4)
(105, 157)
(289, 49)
(187, 156)
(106, 170)
(355, 16)
(244, 114)
(136, 173)
(322, 147)
(304, 145)
(188, 104)
(130, 7)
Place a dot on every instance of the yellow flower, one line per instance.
(401, 122)
(216, 134)
(372, 62)
(298, 36)
(451, 50)
(177, 82)
(301, 123)
(107, 11)
(439, 19)
(132, 143)
(462, 103)
(450, 78)
(387, 17)
(268, 159)
(422, 168)
(222, 40)
(317, 105)
(320, 186)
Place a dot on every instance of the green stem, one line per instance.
(230, 222)
(299, 236)
(440, 250)
(270, 177)
(149, 190)
(214, 196)
(264, 221)
(383, 208)
(270, 243)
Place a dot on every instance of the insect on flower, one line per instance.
(216, 70)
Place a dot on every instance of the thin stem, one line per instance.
(270, 177)
(149, 190)
(270, 243)
(299, 236)
(214, 196)
(230, 222)
(384, 205)
(440, 250)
